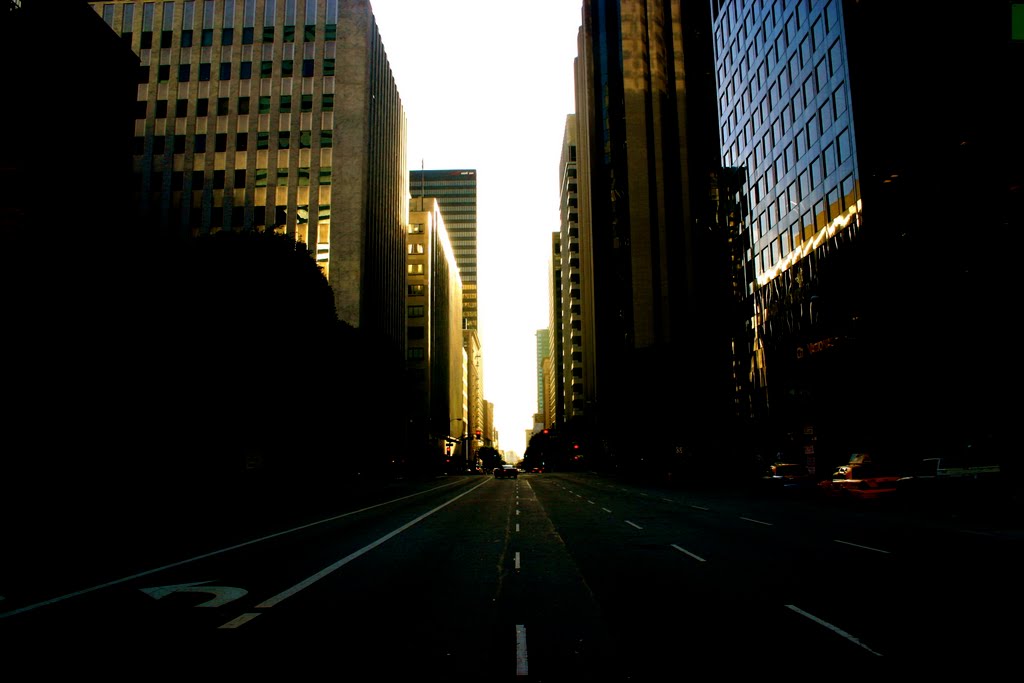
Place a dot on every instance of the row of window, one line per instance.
(233, 216)
(179, 144)
(285, 104)
(217, 180)
(187, 37)
(224, 72)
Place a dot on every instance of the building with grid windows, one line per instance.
(455, 191)
(434, 332)
(655, 358)
(875, 170)
(256, 115)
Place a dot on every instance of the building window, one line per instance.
(186, 38)
(416, 311)
(287, 67)
(416, 353)
(415, 229)
(159, 144)
(220, 143)
(202, 106)
(142, 75)
(243, 104)
(268, 34)
(161, 109)
(264, 104)
(146, 40)
(140, 110)
(199, 144)
(204, 71)
(286, 104)
(225, 71)
(415, 248)
(261, 177)
(223, 106)
(417, 332)
(417, 290)
(179, 145)
(184, 72)
(289, 34)
(206, 38)
(329, 66)
(306, 103)
(227, 36)
(245, 71)
(262, 140)
(242, 142)
(163, 73)
(247, 35)
(331, 32)
(283, 139)
(266, 69)
(325, 138)
(239, 177)
(325, 176)
(303, 176)
(327, 102)
(305, 139)
(181, 108)
(218, 180)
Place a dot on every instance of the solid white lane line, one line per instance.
(836, 629)
(522, 662)
(865, 547)
(756, 521)
(306, 583)
(592, 502)
(634, 525)
(213, 553)
(668, 500)
(687, 552)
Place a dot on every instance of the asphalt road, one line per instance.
(552, 577)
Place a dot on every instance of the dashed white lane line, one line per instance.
(241, 619)
(699, 507)
(522, 662)
(517, 561)
(517, 527)
(687, 552)
(633, 525)
(756, 521)
(865, 547)
(607, 510)
(836, 629)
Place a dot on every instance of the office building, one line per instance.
(455, 191)
(554, 388)
(876, 176)
(434, 331)
(656, 358)
(257, 115)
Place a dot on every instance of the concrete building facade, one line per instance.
(277, 115)
(434, 333)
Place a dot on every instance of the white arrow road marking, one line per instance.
(222, 594)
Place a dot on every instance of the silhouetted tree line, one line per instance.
(180, 367)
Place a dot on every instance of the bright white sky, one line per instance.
(487, 85)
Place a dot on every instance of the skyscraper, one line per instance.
(253, 115)
(874, 174)
(455, 191)
(656, 358)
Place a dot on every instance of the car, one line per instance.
(788, 478)
(861, 480)
(506, 472)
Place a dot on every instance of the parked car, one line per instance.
(506, 472)
(788, 478)
(862, 480)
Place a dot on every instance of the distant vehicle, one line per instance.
(861, 480)
(790, 478)
(506, 472)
